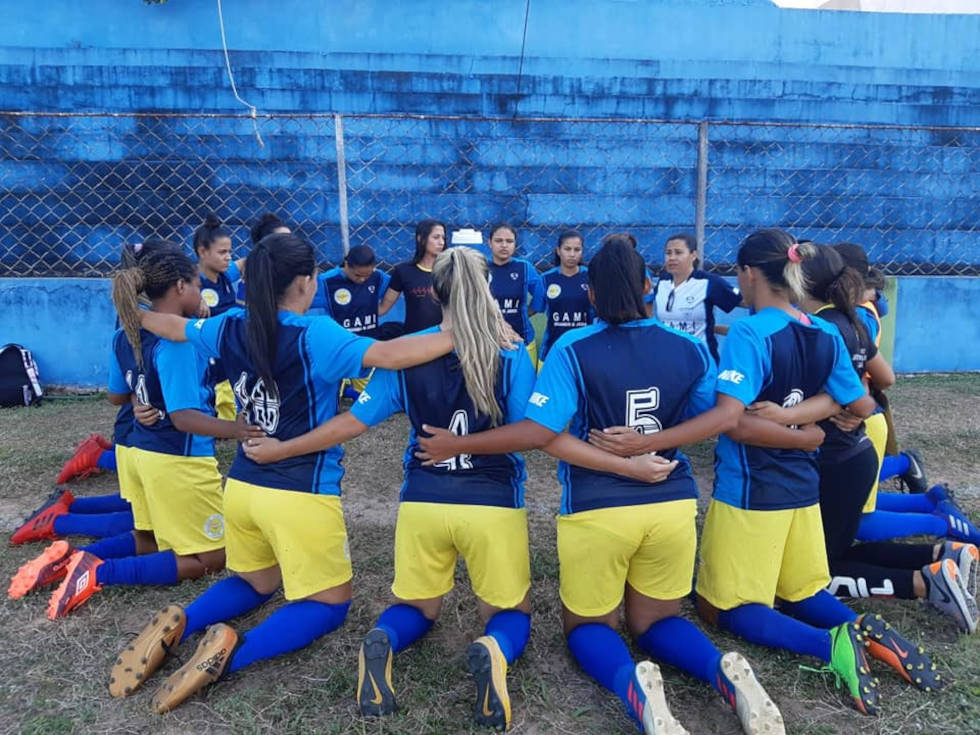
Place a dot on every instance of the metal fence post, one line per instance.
(338, 133)
(702, 194)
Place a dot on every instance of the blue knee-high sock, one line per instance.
(100, 504)
(883, 525)
(97, 525)
(821, 610)
(158, 568)
(113, 547)
(404, 625)
(680, 643)
(223, 600)
(604, 656)
(900, 503)
(291, 627)
(511, 629)
(893, 465)
(107, 461)
(765, 627)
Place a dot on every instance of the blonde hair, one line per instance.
(460, 279)
(780, 258)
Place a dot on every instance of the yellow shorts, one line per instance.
(224, 401)
(876, 427)
(651, 546)
(758, 555)
(182, 500)
(429, 537)
(130, 488)
(303, 533)
(532, 351)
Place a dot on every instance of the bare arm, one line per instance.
(760, 432)
(387, 301)
(443, 444)
(404, 352)
(644, 468)
(862, 407)
(119, 399)
(342, 427)
(192, 421)
(882, 375)
(813, 409)
(167, 326)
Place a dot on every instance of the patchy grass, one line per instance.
(55, 674)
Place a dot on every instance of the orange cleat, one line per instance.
(84, 462)
(41, 571)
(79, 584)
(39, 525)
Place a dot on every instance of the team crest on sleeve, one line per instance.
(210, 296)
(554, 291)
(342, 296)
(515, 275)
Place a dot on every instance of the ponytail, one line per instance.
(780, 258)
(831, 281)
(617, 275)
(272, 265)
(460, 281)
(127, 284)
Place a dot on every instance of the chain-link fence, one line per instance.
(77, 186)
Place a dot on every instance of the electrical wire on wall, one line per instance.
(231, 78)
(520, 66)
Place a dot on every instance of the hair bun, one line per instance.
(211, 220)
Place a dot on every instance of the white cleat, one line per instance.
(758, 714)
(657, 718)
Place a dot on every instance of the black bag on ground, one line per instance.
(20, 383)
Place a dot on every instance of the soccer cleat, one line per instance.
(83, 462)
(375, 694)
(205, 667)
(78, 585)
(39, 525)
(744, 694)
(967, 558)
(488, 666)
(49, 567)
(909, 660)
(147, 652)
(648, 703)
(849, 664)
(102, 441)
(915, 476)
(958, 524)
(948, 593)
(941, 492)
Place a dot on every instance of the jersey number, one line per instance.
(640, 410)
(261, 408)
(142, 395)
(459, 424)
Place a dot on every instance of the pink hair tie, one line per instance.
(794, 253)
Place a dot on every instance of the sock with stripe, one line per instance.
(158, 568)
(883, 525)
(100, 504)
(113, 547)
(225, 599)
(293, 626)
(766, 627)
(404, 625)
(511, 629)
(821, 610)
(97, 525)
(681, 644)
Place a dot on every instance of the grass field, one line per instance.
(53, 675)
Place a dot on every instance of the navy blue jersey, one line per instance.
(173, 378)
(639, 374)
(435, 394)
(564, 300)
(690, 306)
(511, 284)
(313, 355)
(770, 356)
(354, 306)
(220, 295)
(421, 308)
(123, 426)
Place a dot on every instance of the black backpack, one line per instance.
(20, 383)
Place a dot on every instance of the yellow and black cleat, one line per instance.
(375, 694)
(488, 666)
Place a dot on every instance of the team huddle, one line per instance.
(264, 349)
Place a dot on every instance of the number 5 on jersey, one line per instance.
(641, 406)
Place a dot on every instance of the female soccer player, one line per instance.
(284, 522)
(617, 536)
(686, 297)
(414, 279)
(267, 224)
(513, 281)
(564, 298)
(171, 477)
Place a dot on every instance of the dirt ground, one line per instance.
(54, 674)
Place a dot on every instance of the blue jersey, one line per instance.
(435, 394)
(219, 295)
(690, 306)
(770, 356)
(313, 355)
(511, 284)
(870, 321)
(565, 302)
(123, 426)
(354, 306)
(173, 378)
(639, 374)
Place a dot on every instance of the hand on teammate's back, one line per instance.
(846, 421)
(811, 437)
(651, 468)
(620, 440)
(147, 415)
(262, 449)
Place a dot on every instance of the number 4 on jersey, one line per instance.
(459, 424)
